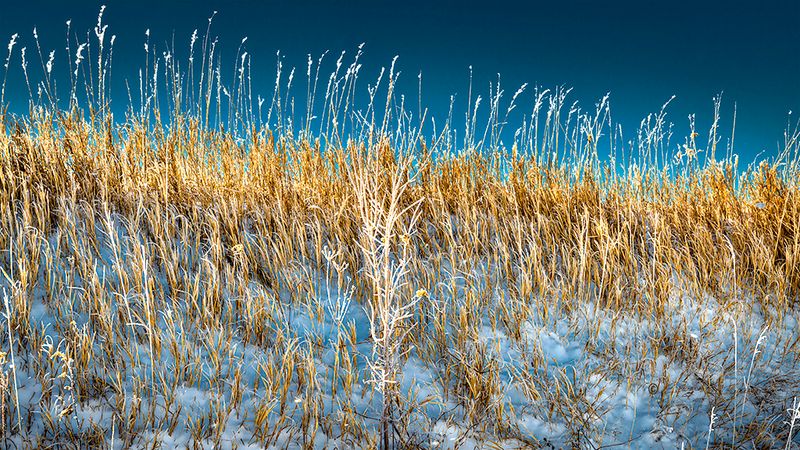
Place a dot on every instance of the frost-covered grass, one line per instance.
(208, 273)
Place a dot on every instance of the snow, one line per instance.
(622, 404)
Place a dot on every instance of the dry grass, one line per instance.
(281, 289)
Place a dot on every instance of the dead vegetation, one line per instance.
(206, 279)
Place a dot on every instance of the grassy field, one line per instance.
(216, 270)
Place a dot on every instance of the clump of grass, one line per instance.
(208, 272)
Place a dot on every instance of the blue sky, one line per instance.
(641, 52)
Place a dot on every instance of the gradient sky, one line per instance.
(642, 52)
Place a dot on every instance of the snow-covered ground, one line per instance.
(589, 377)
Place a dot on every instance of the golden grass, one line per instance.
(142, 260)
(189, 219)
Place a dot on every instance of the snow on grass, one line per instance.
(624, 392)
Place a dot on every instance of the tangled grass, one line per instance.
(201, 279)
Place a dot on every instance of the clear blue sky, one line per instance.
(641, 51)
